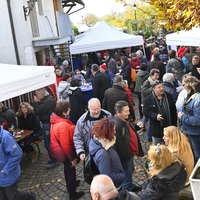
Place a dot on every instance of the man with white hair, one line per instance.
(84, 125)
(168, 79)
(142, 58)
(44, 105)
(102, 188)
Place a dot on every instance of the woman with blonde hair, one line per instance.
(167, 176)
(29, 121)
(154, 51)
(190, 115)
(179, 145)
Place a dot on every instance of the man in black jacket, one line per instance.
(8, 114)
(44, 105)
(99, 83)
(114, 94)
(127, 143)
(159, 107)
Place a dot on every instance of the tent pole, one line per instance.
(72, 63)
(58, 98)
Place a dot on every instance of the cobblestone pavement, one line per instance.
(50, 184)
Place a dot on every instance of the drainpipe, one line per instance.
(13, 32)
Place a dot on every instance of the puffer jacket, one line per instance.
(126, 195)
(63, 90)
(141, 77)
(82, 132)
(166, 185)
(11, 155)
(107, 160)
(62, 130)
(191, 117)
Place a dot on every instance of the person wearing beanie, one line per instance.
(65, 66)
(111, 76)
(157, 64)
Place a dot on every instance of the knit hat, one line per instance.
(65, 62)
(103, 66)
(1, 105)
(171, 70)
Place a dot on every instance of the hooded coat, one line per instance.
(63, 90)
(62, 130)
(107, 160)
(165, 185)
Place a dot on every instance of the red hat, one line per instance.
(103, 66)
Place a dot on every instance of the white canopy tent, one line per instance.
(104, 36)
(184, 38)
(83, 28)
(19, 79)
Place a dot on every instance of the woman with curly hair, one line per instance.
(167, 176)
(179, 145)
(190, 115)
(29, 121)
(102, 150)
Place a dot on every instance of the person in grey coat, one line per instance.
(84, 125)
(64, 86)
(176, 63)
(111, 63)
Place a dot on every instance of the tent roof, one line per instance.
(19, 79)
(104, 36)
(83, 28)
(184, 38)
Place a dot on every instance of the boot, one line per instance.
(34, 156)
(76, 195)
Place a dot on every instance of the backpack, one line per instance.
(133, 74)
(89, 169)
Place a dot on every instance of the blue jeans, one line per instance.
(47, 139)
(149, 137)
(195, 145)
(128, 183)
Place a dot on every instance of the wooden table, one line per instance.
(24, 135)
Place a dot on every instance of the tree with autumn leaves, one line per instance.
(176, 14)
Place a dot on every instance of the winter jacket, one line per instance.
(11, 155)
(193, 68)
(107, 160)
(178, 65)
(181, 51)
(9, 115)
(147, 88)
(123, 140)
(169, 88)
(111, 76)
(185, 61)
(44, 108)
(166, 185)
(157, 64)
(191, 117)
(151, 111)
(63, 90)
(126, 73)
(135, 63)
(126, 195)
(141, 77)
(128, 91)
(99, 85)
(62, 130)
(143, 59)
(112, 65)
(77, 64)
(148, 53)
(82, 132)
(78, 103)
(164, 55)
(31, 122)
(114, 94)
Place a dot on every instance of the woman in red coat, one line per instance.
(134, 62)
(62, 145)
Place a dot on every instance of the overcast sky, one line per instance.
(96, 7)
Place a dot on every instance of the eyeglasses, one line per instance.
(156, 82)
(158, 149)
(78, 73)
(183, 85)
(108, 191)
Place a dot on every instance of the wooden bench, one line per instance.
(37, 142)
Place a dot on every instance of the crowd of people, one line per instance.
(168, 93)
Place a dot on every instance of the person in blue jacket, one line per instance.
(101, 148)
(10, 157)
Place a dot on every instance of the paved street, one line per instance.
(50, 184)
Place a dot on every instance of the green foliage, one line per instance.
(75, 29)
(90, 19)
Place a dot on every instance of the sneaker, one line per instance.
(76, 195)
(52, 165)
(136, 189)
